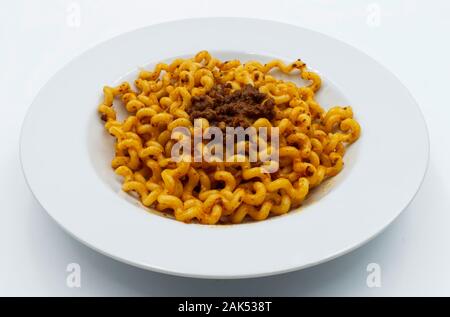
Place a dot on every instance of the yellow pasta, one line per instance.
(312, 141)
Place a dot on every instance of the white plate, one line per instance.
(66, 155)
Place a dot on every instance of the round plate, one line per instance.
(66, 155)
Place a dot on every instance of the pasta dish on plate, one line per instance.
(287, 143)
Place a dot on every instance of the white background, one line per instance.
(409, 37)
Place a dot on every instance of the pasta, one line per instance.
(311, 147)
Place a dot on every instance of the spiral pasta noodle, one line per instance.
(312, 141)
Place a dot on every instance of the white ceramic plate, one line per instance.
(66, 155)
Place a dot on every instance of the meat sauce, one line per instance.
(223, 107)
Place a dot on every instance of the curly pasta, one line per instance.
(311, 141)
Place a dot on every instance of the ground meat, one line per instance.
(224, 108)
